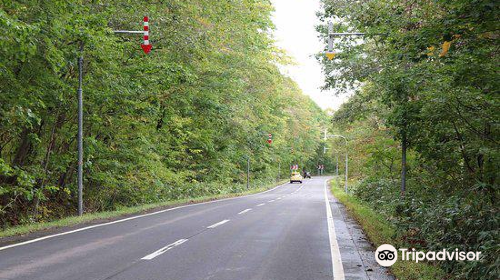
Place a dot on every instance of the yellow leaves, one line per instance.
(444, 48)
(430, 50)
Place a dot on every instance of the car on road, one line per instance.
(296, 177)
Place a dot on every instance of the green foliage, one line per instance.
(177, 123)
(444, 102)
(379, 231)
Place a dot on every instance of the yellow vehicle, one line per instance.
(296, 177)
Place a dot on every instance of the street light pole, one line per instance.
(346, 157)
(279, 171)
(337, 166)
(346, 165)
(80, 131)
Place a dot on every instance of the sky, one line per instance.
(295, 22)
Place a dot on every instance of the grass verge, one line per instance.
(86, 218)
(379, 231)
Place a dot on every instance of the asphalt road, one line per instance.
(295, 231)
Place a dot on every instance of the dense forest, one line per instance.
(425, 81)
(177, 123)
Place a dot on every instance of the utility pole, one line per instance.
(80, 131)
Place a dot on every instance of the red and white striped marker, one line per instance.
(146, 47)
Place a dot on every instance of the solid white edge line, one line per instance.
(337, 268)
(164, 249)
(132, 218)
(218, 224)
(244, 211)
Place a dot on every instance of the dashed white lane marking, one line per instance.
(164, 249)
(295, 191)
(262, 204)
(271, 201)
(278, 198)
(244, 211)
(218, 224)
(338, 269)
(132, 218)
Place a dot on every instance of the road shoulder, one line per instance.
(358, 257)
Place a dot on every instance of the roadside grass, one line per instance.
(379, 231)
(89, 217)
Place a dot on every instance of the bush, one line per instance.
(433, 219)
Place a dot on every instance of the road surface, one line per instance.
(294, 231)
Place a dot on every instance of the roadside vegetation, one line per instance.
(176, 124)
(425, 81)
(124, 211)
(380, 231)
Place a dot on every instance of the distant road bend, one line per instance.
(294, 231)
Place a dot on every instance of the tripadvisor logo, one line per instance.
(386, 255)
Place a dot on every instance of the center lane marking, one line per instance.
(244, 211)
(218, 224)
(164, 249)
(135, 217)
(180, 241)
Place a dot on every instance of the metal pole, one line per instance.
(248, 173)
(349, 34)
(346, 159)
(80, 132)
(337, 166)
(279, 170)
(403, 163)
(128, 32)
(346, 167)
(330, 43)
